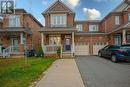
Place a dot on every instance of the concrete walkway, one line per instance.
(63, 73)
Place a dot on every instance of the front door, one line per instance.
(67, 44)
(14, 41)
(15, 44)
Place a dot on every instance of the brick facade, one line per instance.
(29, 26)
(107, 27)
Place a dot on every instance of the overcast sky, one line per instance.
(84, 9)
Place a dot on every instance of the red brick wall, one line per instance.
(70, 20)
(94, 38)
(36, 36)
(108, 23)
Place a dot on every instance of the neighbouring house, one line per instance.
(18, 32)
(77, 38)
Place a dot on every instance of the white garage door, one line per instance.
(97, 46)
(82, 48)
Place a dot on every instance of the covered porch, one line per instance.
(121, 35)
(14, 41)
(52, 41)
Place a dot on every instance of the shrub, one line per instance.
(40, 52)
(58, 51)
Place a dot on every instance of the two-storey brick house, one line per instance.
(117, 24)
(83, 37)
(59, 29)
(74, 37)
(18, 32)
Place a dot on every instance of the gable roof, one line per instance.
(23, 11)
(122, 7)
(48, 10)
(35, 20)
(119, 9)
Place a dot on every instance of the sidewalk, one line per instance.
(63, 73)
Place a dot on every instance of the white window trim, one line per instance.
(79, 27)
(128, 16)
(14, 21)
(94, 25)
(63, 22)
(117, 20)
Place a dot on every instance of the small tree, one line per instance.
(58, 51)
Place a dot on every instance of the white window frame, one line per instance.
(128, 16)
(118, 39)
(79, 27)
(117, 20)
(54, 39)
(14, 21)
(58, 20)
(92, 26)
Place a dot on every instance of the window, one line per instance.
(117, 20)
(93, 28)
(79, 27)
(14, 21)
(118, 39)
(58, 20)
(129, 17)
(54, 40)
(128, 38)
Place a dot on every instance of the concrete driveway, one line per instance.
(100, 72)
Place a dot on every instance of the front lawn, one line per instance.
(16, 73)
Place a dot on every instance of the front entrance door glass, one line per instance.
(67, 44)
(15, 44)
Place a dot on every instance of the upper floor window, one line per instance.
(79, 27)
(129, 17)
(93, 28)
(117, 20)
(58, 20)
(14, 21)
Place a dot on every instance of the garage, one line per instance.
(82, 49)
(97, 46)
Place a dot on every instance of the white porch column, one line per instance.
(21, 38)
(42, 40)
(0, 49)
(73, 45)
(124, 36)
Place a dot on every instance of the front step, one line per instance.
(67, 56)
(64, 55)
(1, 56)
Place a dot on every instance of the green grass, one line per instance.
(15, 73)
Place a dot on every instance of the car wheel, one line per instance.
(114, 59)
(99, 54)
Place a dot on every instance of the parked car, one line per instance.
(116, 52)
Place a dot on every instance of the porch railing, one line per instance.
(52, 49)
(10, 50)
